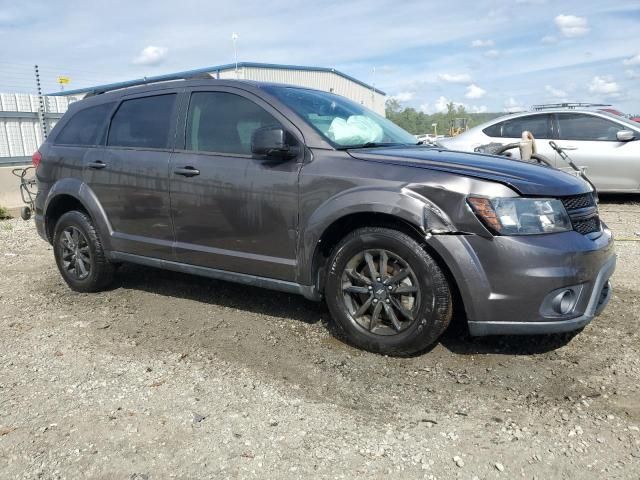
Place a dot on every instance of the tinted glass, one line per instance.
(343, 122)
(143, 122)
(578, 126)
(538, 125)
(86, 127)
(224, 123)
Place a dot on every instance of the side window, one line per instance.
(86, 127)
(538, 125)
(223, 123)
(143, 122)
(494, 130)
(579, 126)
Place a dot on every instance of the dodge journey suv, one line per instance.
(306, 192)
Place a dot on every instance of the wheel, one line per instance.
(79, 253)
(25, 213)
(385, 292)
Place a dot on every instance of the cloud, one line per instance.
(455, 77)
(572, 26)
(632, 74)
(151, 55)
(635, 60)
(404, 96)
(482, 43)
(474, 91)
(604, 86)
(549, 39)
(491, 53)
(555, 92)
(512, 105)
(440, 106)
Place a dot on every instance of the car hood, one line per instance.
(525, 178)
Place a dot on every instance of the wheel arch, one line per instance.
(73, 194)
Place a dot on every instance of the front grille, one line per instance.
(583, 213)
(579, 201)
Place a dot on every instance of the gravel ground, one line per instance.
(173, 376)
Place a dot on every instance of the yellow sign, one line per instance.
(63, 80)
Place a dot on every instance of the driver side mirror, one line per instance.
(271, 141)
(625, 135)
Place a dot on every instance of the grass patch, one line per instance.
(4, 213)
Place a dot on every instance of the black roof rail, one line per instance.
(570, 106)
(146, 81)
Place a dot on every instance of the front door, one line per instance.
(232, 210)
(592, 144)
(130, 175)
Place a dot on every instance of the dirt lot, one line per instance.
(173, 376)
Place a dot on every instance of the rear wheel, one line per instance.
(386, 293)
(79, 254)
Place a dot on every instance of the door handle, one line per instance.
(187, 171)
(97, 165)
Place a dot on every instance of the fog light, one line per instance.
(564, 301)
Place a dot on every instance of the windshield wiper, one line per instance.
(369, 145)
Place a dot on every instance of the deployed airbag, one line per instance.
(355, 130)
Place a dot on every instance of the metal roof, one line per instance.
(218, 68)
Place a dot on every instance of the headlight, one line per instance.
(521, 216)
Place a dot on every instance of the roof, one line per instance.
(218, 68)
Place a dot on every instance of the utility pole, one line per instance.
(41, 107)
(234, 39)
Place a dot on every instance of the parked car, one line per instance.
(306, 192)
(606, 145)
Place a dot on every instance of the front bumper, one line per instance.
(505, 282)
(599, 298)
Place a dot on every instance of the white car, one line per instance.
(607, 146)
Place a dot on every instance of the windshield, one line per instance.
(344, 123)
(624, 120)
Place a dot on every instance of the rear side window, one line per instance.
(578, 126)
(224, 123)
(538, 125)
(143, 122)
(86, 127)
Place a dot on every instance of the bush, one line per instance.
(4, 213)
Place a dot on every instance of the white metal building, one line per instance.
(21, 121)
(320, 78)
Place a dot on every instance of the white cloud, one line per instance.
(491, 53)
(572, 26)
(512, 105)
(632, 74)
(555, 92)
(441, 104)
(604, 86)
(455, 77)
(549, 39)
(404, 96)
(151, 55)
(474, 91)
(482, 43)
(635, 60)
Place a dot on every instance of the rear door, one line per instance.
(510, 131)
(592, 143)
(232, 210)
(130, 176)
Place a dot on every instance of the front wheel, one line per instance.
(386, 293)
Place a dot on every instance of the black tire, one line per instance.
(429, 305)
(84, 268)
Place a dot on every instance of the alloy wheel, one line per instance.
(76, 255)
(381, 292)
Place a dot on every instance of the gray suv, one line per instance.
(306, 192)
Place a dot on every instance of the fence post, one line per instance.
(41, 108)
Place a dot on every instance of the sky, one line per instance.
(488, 55)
